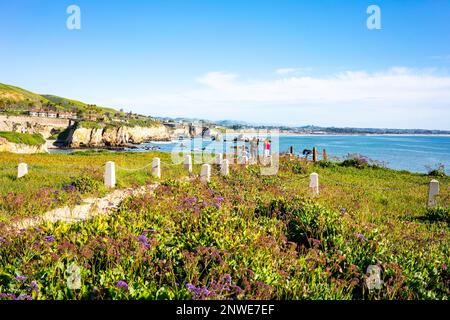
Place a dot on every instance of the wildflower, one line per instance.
(34, 287)
(219, 198)
(361, 237)
(342, 210)
(444, 266)
(24, 297)
(7, 296)
(20, 278)
(122, 285)
(49, 239)
(227, 278)
(144, 241)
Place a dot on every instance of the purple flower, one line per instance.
(190, 286)
(7, 296)
(199, 292)
(20, 278)
(361, 237)
(342, 211)
(34, 287)
(219, 198)
(227, 278)
(144, 241)
(24, 297)
(217, 205)
(122, 285)
(49, 239)
(444, 266)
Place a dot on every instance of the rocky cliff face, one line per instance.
(117, 136)
(6, 146)
(44, 126)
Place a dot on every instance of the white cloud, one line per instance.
(285, 70)
(397, 97)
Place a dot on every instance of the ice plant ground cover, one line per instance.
(245, 236)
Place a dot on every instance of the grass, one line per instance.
(245, 236)
(23, 138)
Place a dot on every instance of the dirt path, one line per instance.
(90, 208)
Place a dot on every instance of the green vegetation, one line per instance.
(23, 138)
(245, 236)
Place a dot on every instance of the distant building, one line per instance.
(33, 113)
(42, 114)
(67, 115)
(51, 114)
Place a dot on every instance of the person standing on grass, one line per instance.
(254, 148)
(266, 147)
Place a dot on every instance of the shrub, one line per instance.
(86, 184)
(438, 214)
(438, 171)
(325, 164)
(313, 221)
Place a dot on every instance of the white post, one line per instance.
(219, 158)
(110, 174)
(243, 160)
(188, 163)
(314, 183)
(22, 170)
(224, 167)
(433, 191)
(205, 174)
(156, 168)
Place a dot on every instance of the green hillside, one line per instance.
(15, 100)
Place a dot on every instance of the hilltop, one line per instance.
(17, 101)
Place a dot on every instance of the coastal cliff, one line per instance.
(116, 136)
(8, 146)
(44, 126)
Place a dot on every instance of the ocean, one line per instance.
(412, 153)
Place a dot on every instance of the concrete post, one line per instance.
(314, 183)
(110, 175)
(205, 173)
(156, 168)
(22, 170)
(224, 167)
(188, 163)
(219, 158)
(433, 191)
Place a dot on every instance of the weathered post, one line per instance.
(110, 174)
(156, 168)
(314, 183)
(324, 155)
(224, 167)
(243, 160)
(433, 191)
(188, 163)
(22, 170)
(205, 173)
(291, 150)
(219, 158)
(314, 154)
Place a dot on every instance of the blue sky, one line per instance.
(292, 62)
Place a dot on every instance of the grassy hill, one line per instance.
(15, 100)
(245, 236)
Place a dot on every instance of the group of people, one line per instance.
(252, 150)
